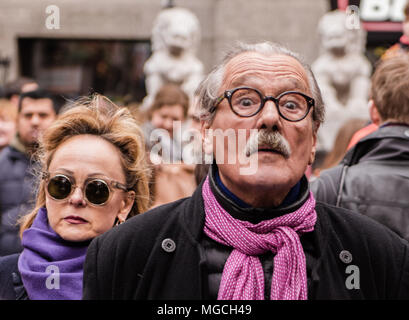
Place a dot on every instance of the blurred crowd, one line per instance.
(167, 166)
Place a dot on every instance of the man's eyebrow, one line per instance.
(291, 83)
(295, 84)
(240, 80)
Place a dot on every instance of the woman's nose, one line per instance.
(77, 197)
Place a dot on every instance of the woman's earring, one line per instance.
(117, 222)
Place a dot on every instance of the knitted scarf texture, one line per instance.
(243, 277)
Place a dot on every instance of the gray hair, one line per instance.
(209, 87)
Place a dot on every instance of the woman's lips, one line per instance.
(75, 220)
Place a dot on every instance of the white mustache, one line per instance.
(268, 138)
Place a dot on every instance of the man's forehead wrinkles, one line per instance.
(263, 61)
(286, 79)
(248, 68)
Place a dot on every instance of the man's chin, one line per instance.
(30, 144)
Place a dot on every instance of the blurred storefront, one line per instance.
(82, 66)
(101, 46)
(382, 19)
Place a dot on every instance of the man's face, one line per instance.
(164, 117)
(276, 174)
(35, 116)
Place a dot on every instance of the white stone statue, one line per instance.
(175, 38)
(343, 74)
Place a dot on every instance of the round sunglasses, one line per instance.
(96, 191)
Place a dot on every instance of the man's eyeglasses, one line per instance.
(247, 102)
(95, 190)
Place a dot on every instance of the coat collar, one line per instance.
(389, 142)
(18, 145)
(251, 214)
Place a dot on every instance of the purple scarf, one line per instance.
(243, 277)
(51, 268)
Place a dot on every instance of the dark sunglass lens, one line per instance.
(97, 192)
(59, 187)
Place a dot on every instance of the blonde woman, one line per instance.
(93, 177)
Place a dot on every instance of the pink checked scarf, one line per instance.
(243, 277)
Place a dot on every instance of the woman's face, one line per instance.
(82, 158)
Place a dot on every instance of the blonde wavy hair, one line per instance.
(96, 115)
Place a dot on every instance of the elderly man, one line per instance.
(258, 236)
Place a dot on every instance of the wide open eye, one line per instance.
(97, 192)
(293, 106)
(245, 101)
(59, 187)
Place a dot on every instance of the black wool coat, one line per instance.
(158, 255)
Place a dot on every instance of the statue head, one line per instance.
(337, 37)
(176, 30)
(333, 31)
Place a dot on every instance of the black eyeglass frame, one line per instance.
(229, 93)
(108, 182)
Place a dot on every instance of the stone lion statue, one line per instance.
(343, 74)
(175, 38)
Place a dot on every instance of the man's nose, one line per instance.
(269, 116)
(168, 125)
(35, 120)
(77, 198)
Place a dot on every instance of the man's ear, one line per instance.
(314, 145)
(207, 141)
(374, 113)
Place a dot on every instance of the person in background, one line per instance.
(342, 140)
(14, 89)
(373, 177)
(166, 116)
(172, 179)
(93, 176)
(254, 236)
(8, 117)
(37, 110)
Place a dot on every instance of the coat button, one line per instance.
(168, 245)
(345, 256)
